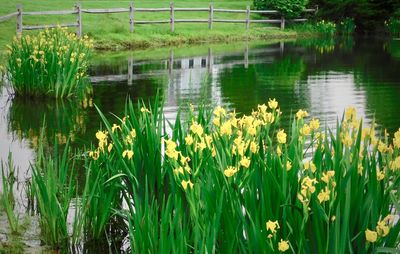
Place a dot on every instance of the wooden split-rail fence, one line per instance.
(78, 11)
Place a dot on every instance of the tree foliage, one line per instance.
(368, 14)
(289, 8)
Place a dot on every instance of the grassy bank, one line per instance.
(111, 31)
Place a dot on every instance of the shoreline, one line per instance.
(178, 40)
(186, 40)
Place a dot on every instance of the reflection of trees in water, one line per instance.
(393, 48)
(278, 79)
(270, 74)
(77, 120)
(376, 72)
(112, 98)
(61, 119)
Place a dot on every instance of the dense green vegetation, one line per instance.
(53, 64)
(324, 28)
(216, 181)
(368, 15)
(393, 24)
(350, 15)
(289, 8)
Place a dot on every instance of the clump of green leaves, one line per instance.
(214, 181)
(326, 28)
(323, 28)
(393, 26)
(289, 8)
(53, 63)
(217, 182)
(346, 26)
(53, 187)
(8, 180)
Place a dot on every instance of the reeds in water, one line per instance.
(52, 64)
(214, 181)
(220, 182)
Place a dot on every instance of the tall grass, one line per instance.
(393, 26)
(8, 180)
(346, 26)
(214, 181)
(217, 182)
(53, 63)
(53, 187)
(323, 27)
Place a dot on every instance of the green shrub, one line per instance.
(346, 26)
(53, 187)
(53, 63)
(289, 8)
(393, 26)
(325, 28)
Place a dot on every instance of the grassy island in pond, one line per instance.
(53, 63)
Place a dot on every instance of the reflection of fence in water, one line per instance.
(173, 66)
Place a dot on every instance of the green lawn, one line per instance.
(111, 31)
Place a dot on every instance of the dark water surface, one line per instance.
(321, 76)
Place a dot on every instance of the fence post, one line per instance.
(282, 22)
(171, 61)
(131, 17)
(247, 17)
(78, 19)
(246, 56)
(209, 60)
(172, 14)
(19, 20)
(210, 16)
(130, 70)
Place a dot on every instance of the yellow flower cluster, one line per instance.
(230, 171)
(179, 162)
(52, 48)
(307, 129)
(309, 165)
(382, 229)
(301, 114)
(170, 150)
(307, 189)
(396, 139)
(242, 135)
(272, 227)
(186, 184)
(395, 164)
(127, 136)
(281, 137)
(102, 138)
(283, 245)
(324, 195)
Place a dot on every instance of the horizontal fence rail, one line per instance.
(77, 11)
(49, 12)
(8, 16)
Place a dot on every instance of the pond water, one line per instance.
(320, 76)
